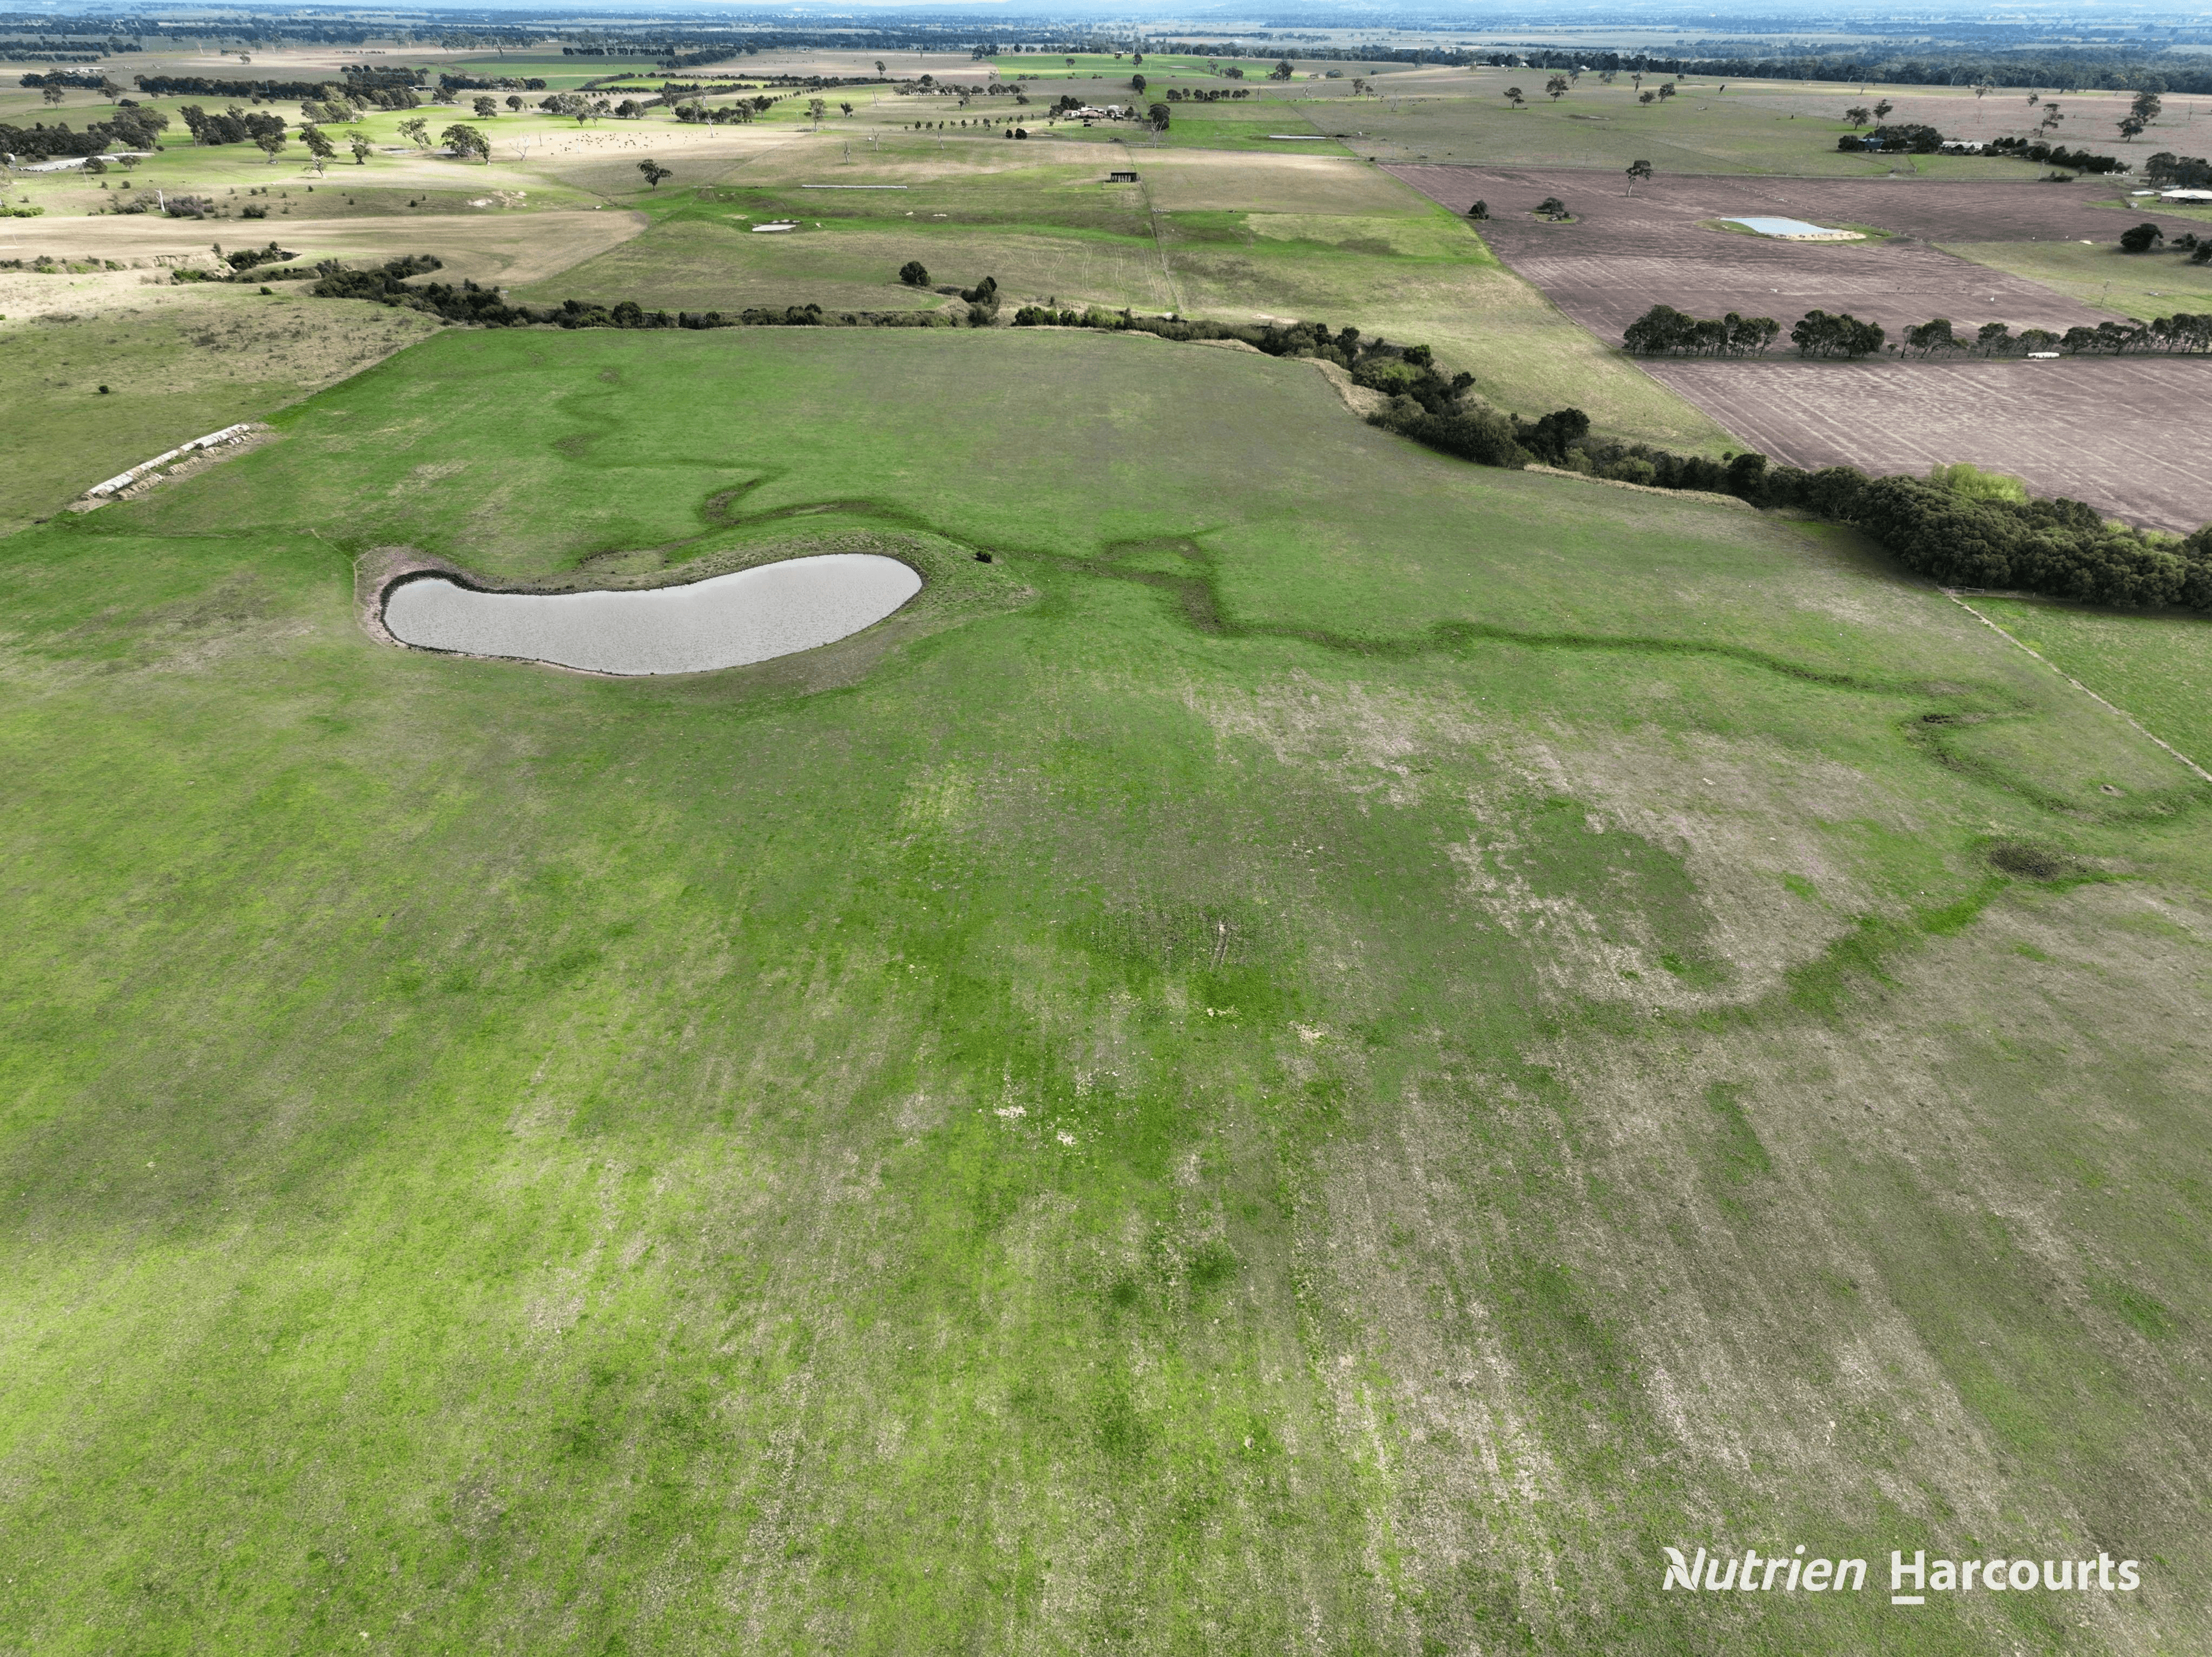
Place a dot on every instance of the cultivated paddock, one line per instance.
(1626, 254)
(2117, 432)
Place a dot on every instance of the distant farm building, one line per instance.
(1120, 177)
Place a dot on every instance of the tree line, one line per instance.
(1664, 331)
(2167, 171)
(2074, 161)
(130, 129)
(470, 303)
(2184, 333)
(197, 85)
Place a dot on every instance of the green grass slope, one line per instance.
(1224, 235)
(1325, 1055)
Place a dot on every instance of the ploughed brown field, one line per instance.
(2123, 434)
(1626, 254)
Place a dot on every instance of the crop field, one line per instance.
(1324, 1055)
(1624, 253)
(2112, 431)
(2117, 434)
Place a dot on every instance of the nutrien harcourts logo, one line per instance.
(1911, 1581)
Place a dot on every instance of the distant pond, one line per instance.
(725, 620)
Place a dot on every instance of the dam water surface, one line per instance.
(726, 621)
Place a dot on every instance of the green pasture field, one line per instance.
(1327, 1054)
(1601, 126)
(2158, 668)
(1752, 128)
(177, 364)
(1310, 237)
(2141, 285)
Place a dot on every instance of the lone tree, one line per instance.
(270, 144)
(655, 173)
(1647, 97)
(1480, 210)
(417, 132)
(1159, 115)
(361, 147)
(1858, 115)
(51, 93)
(514, 103)
(1555, 88)
(2141, 240)
(1136, 83)
(318, 144)
(1882, 110)
(1638, 171)
(487, 109)
(815, 109)
(466, 141)
(915, 274)
(1516, 97)
(1282, 70)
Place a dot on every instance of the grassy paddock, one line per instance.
(177, 363)
(2159, 668)
(2142, 285)
(1330, 1051)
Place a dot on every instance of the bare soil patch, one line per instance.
(2120, 433)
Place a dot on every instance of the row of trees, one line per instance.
(2167, 171)
(743, 110)
(2074, 161)
(1664, 331)
(470, 303)
(130, 128)
(364, 84)
(2182, 332)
